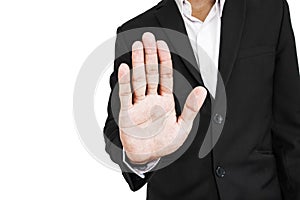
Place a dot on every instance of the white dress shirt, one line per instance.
(205, 41)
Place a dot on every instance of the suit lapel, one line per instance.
(233, 18)
(169, 17)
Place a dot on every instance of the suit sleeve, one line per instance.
(111, 130)
(286, 110)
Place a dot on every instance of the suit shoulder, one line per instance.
(145, 19)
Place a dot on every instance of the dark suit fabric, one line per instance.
(259, 148)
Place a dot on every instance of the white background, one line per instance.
(42, 47)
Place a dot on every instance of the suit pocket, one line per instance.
(256, 51)
(264, 152)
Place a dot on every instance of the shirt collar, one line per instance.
(180, 5)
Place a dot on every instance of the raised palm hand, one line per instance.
(149, 128)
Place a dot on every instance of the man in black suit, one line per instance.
(258, 154)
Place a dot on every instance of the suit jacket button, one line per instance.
(220, 172)
(218, 118)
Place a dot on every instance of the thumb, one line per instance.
(192, 106)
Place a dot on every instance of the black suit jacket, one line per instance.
(258, 154)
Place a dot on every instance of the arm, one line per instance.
(286, 110)
(149, 127)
